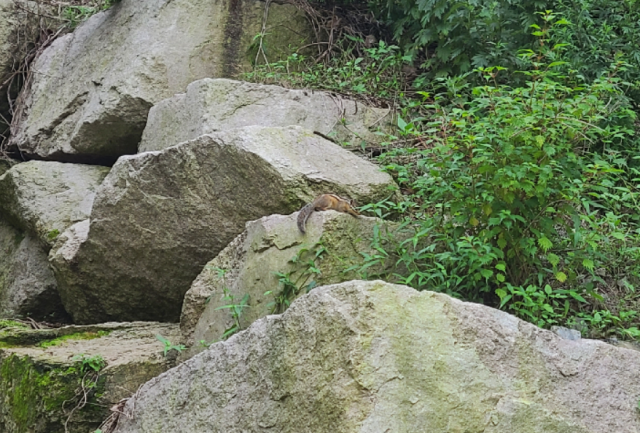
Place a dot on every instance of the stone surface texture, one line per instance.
(93, 88)
(211, 105)
(6, 31)
(159, 217)
(4, 166)
(22, 24)
(21, 21)
(374, 357)
(27, 285)
(41, 374)
(248, 265)
(44, 198)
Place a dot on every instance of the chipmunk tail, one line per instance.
(303, 216)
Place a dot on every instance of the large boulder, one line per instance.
(375, 357)
(27, 285)
(255, 264)
(211, 105)
(92, 89)
(159, 217)
(47, 378)
(45, 198)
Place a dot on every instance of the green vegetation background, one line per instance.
(516, 148)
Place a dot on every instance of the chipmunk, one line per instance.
(326, 202)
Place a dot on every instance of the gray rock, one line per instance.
(8, 57)
(159, 217)
(566, 333)
(247, 266)
(211, 105)
(375, 357)
(6, 31)
(21, 21)
(45, 198)
(5, 164)
(92, 89)
(27, 285)
(631, 345)
(22, 24)
(41, 381)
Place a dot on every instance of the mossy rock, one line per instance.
(42, 397)
(45, 374)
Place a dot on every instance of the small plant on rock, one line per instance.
(236, 310)
(168, 346)
(89, 362)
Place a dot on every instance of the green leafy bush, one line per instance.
(454, 37)
(602, 32)
(520, 195)
(457, 36)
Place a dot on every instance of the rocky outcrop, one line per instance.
(27, 285)
(45, 198)
(92, 89)
(159, 217)
(254, 264)
(375, 357)
(46, 374)
(212, 105)
(40, 200)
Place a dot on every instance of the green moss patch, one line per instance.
(21, 337)
(34, 394)
(77, 336)
(4, 323)
(53, 234)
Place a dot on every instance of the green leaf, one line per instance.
(545, 243)
(402, 125)
(588, 263)
(577, 297)
(486, 273)
(561, 276)
(618, 235)
(553, 259)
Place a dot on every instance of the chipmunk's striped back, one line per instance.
(326, 202)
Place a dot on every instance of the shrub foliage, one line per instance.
(521, 194)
